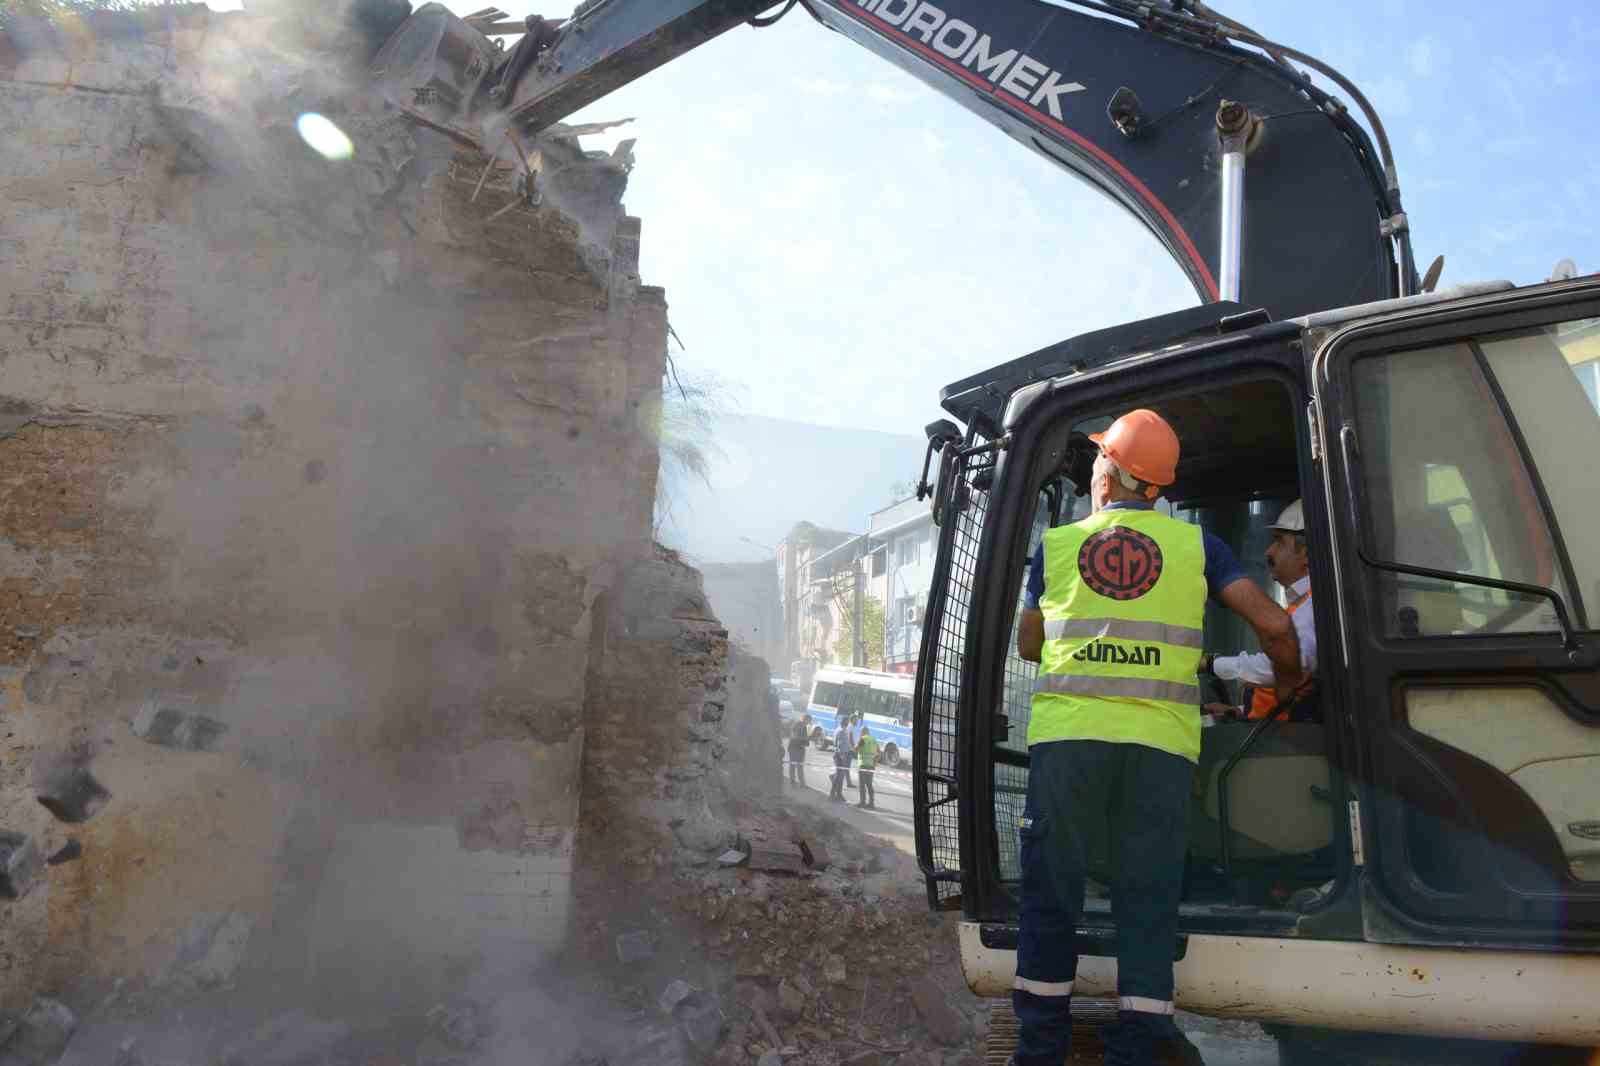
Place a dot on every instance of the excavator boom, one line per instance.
(1260, 185)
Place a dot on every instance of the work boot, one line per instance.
(1140, 1039)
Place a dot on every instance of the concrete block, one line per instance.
(73, 795)
(20, 865)
(183, 730)
(674, 994)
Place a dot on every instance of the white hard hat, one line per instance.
(1292, 520)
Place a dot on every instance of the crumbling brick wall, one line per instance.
(677, 723)
(316, 452)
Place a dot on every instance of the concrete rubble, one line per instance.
(20, 865)
(72, 794)
(170, 728)
(820, 966)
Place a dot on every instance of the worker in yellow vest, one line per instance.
(1113, 616)
(867, 752)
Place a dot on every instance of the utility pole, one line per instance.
(858, 640)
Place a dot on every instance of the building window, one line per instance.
(905, 551)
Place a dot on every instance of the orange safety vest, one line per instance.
(1264, 699)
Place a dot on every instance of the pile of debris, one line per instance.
(800, 941)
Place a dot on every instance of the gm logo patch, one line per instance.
(1120, 563)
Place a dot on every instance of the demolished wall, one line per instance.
(313, 475)
(679, 725)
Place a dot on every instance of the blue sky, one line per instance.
(813, 212)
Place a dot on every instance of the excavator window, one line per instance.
(1475, 457)
(1450, 500)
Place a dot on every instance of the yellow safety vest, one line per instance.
(869, 752)
(1124, 608)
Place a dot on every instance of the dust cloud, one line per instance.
(322, 755)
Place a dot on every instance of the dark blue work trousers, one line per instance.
(1135, 800)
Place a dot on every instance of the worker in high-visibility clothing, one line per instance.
(1289, 563)
(867, 752)
(1113, 616)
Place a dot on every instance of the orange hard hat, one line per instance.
(1142, 443)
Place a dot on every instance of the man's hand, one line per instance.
(1221, 710)
(1273, 628)
(1030, 634)
(1205, 664)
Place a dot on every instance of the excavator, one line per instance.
(1424, 858)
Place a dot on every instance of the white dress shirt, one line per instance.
(1254, 667)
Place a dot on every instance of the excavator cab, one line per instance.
(1446, 791)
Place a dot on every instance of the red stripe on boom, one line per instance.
(1016, 104)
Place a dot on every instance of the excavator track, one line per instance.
(1088, 1015)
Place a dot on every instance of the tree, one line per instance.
(872, 622)
(685, 427)
(56, 9)
(902, 490)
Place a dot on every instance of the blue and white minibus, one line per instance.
(883, 699)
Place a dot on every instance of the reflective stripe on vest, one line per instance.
(1122, 629)
(1124, 612)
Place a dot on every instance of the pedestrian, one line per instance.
(1113, 615)
(841, 760)
(852, 725)
(867, 752)
(855, 738)
(799, 740)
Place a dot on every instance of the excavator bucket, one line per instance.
(433, 69)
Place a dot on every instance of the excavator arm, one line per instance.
(1261, 186)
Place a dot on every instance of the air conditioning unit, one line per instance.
(913, 614)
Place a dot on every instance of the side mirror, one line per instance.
(939, 434)
(1078, 463)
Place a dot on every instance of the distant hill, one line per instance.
(766, 474)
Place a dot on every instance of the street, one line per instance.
(891, 819)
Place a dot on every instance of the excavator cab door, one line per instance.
(1460, 443)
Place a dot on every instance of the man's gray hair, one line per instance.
(1122, 477)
